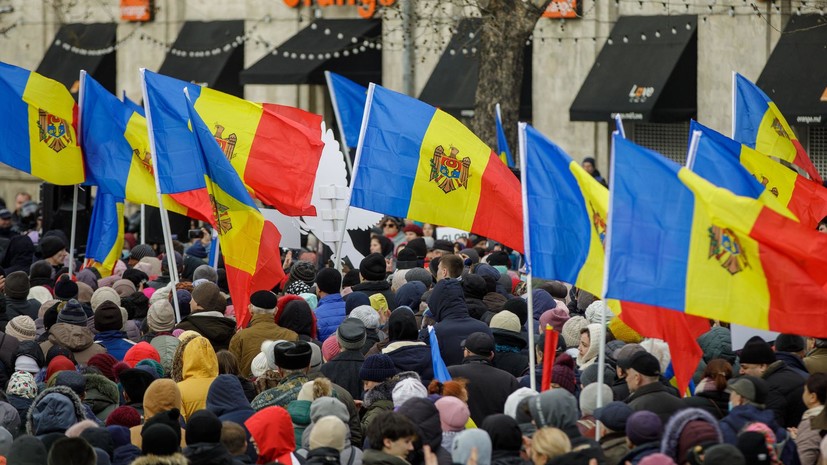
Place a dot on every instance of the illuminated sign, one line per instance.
(564, 9)
(366, 8)
(136, 10)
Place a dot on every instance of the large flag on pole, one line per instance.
(104, 246)
(348, 99)
(415, 161)
(677, 241)
(38, 127)
(502, 142)
(759, 124)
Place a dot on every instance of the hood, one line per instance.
(199, 360)
(424, 414)
(162, 395)
(670, 443)
(272, 429)
(555, 407)
(299, 411)
(382, 391)
(174, 459)
(473, 286)
(494, 302)
(33, 350)
(504, 432)
(53, 411)
(503, 337)
(74, 338)
(717, 343)
(542, 301)
(208, 453)
(410, 294)
(447, 301)
(226, 396)
(100, 388)
(402, 325)
(595, 334)
(165, 345)
(743, 414)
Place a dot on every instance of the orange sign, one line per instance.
(568, 9)
(366, 8)
(136, 10)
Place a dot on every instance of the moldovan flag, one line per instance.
(760, 125)
(415, 161)
(105, 241)
(274, 149)
(758, 176)
(502, 142)
(250, 244)
(348, 99)
(677, 241)
(38, 127)
(566, 212)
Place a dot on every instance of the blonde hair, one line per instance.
(550, 442)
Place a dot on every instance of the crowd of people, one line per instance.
(343, 368)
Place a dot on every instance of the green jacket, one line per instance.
(287, 391)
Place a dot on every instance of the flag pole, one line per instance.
(734, 87)
(73, 233)
(335, 103)
(143, 224)
(532, 374)
(362, 130)
(170, 252)
(619, 125)
(692, 152)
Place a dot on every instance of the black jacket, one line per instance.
(640, 452)
(16, 307)
(322, 456)
(414, 358)
(208, 453)
(217, 329)
(343, 370)
(509, 355)
(453, 323)
(488, 387)
(714, 402)
(785, 387)
(656, 398)
(377, 287)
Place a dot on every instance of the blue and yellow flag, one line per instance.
(106, 228)
(502, 142)
(348, 99)
(38, 127)
(139, 109)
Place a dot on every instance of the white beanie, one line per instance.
(259, 365)
(408, 388)
(593, 312)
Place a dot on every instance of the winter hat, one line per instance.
(292, 355)
(588, 397)
(643, 427)
(196, 250)
(140, 351)
(518, 307)
(205, 272)
(614, 415)
(408, 388)
(26, 363)
(22, 328)
(556, 317)
(351, 334)
(453, 413)
(621, 331)
(750, 388)
(405, 260)
(152, 366)
(512, 402)
(354, 300)
(72, 313)
(724, 454)
(203, 426)
(105, 363)
(6, 440)
(303, 271)
(315, 358)
(104, 294)
(140, 251)
(660, 350)
(79, 427)
(324, 406)
(695, 433)
(789, 343)
(687, 429)
(161, 316)
(208, 297)
(329, 281)
(65, 288)
(27, 450)
(17, 285)
(85, 292)
(505, 320)
(160, 439)
(40, 294)
(330, 347)
(328, 431)
(265, 300)
(297, 288)
(657, 459)
(22, 384)
(468, 440)
(590, 375)
(57, 365)
(419, 274)
(372, 268)
(757, 351)
(594, 311)
(377, 368)
(571, 330)
(135, 382)
(259, 365)
(124, 287)
(124, 416)
(108, 317)
(71, 379)
(367, 315)
(562, 373)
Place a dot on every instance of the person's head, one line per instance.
(644, 369)
(412, 231)
(747, 390)
(392, 433)
(233, 437)
(588, 165)
(441, 248)
(756, 357)
(292, 357)
(376, 369)
(328, 281)
(206, 298)
(548, 443)
(20, 199)
(815, 390)
(227, 363)
(262, 303)
(585, 342)
(718, 371)
(479, 344)
(72, 451)
(390, 227)
(5, 219)
(53, 250)
(450, 266)
(822, 226)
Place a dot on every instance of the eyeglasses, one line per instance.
(389, 225)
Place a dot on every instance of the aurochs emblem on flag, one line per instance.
(54, 131)
(449, 172)
(227, 144)
(221, 214)
(726, 248)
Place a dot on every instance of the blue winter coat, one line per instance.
(742, 415)
(447, 304)
(227, 401)
(329, 315)
(115, 343)
(414, 358)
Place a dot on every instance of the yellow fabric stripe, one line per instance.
(596, 197)
(770, 139)
(776, 178)
(239, 227)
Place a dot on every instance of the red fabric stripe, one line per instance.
(803, 161)
(808, 201)
(283, 159)
(500, 210)
(678, 329)
(198, 204)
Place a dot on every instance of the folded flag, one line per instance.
(38, 127)
(759, 124)
(677, 241)
(418, 162)
(502, 142)
(105, 244)
(249, 244)
(348, 99)
(441, 373)
(274, 149)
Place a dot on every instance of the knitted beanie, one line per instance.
(161, 316)
(571, 330)
(40, 294)
(330, 432)
(505, 320)
(65, 288)
(303, 271)
(105, 363)
(373, 267)
(453, 413)
(368, 316)
(141, 351)
(125, 416)
(124, 287)
(377, 367)
(330, 346)
(594, 311)
(102, 295)
(17, 285)
(562, 373)
(208, 297)
(408, 388)
(622, 332)
(556, 317)
(22, 328)
(85, 292)
(72, 313)
(57, 365)
(108, 317)
(329, 281)
(140, 251)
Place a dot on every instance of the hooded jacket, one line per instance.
(742, 415)
(329, 315)
(558, 408)
(410, 294)
(160, 396)
(272, 430)
(214, 326)
(424, 414)
(227, 401)
(199, 371)
(115, 342)
(8, 351)
(377, 400)
(78, 339)
(509, 352)
(785, 388)
(407, 353)
(590, 356)
(656, 398)
(447, 304)
(506, 440)
(488, 387)
(53, 411)
(101, 395)
(208, 453)
(165, 345)
(246, 343)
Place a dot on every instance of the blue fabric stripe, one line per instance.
(502, 142)
(390, 152)
(650, 224)
(559, 227)
(750, 107)
(103, 227)
(718, 160)
(133, 105)
(350, 98)
(14, 118)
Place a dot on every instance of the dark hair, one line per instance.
(454, 264)
(389, 425)
(72, 451)
(823, 221)
(227, 363)
(817, 384)
(720, 371)
(233, 437)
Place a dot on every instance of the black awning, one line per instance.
(208, 53)
(79, 47)
(343, 46)
(453, 84)
(795, 77)
(646, 71)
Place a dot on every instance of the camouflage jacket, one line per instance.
(281, 395)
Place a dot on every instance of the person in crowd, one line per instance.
(643, 434)
(372, 271)
(109, 325)
(547, 444)
(785, 387)
(293, 362)
(586, 350)
(271, 431)
(234, 439)
(711, 393)
(690, 431)
(506, 439)
(200, 369)
(790, 349)
(807, 437)
(647, 393)
(453, 324)
(425, 416)
(558, 408)
(17, 297)
(344, 368)
(327, 441)
(613, 417)
(378, 376)
(207, 316)
(391, 437)
(203, 438)
(246, 343)
(509, 343)
(331, 310)
(403, 347)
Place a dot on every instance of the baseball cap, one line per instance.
(645, 364)
(479, 344)
(749, 387)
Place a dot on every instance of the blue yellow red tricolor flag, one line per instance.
(759, 124)
(566, 211)
(249, 244)
(106, 228)
(415, 161)
(677, 241)
(348, 99)
(274, 149)
(38, 127)
(502, 142)
(744, 171)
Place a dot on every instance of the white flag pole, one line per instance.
(532, 374)
(335, 102)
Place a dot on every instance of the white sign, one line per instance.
(450, 234)
(742, 334)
